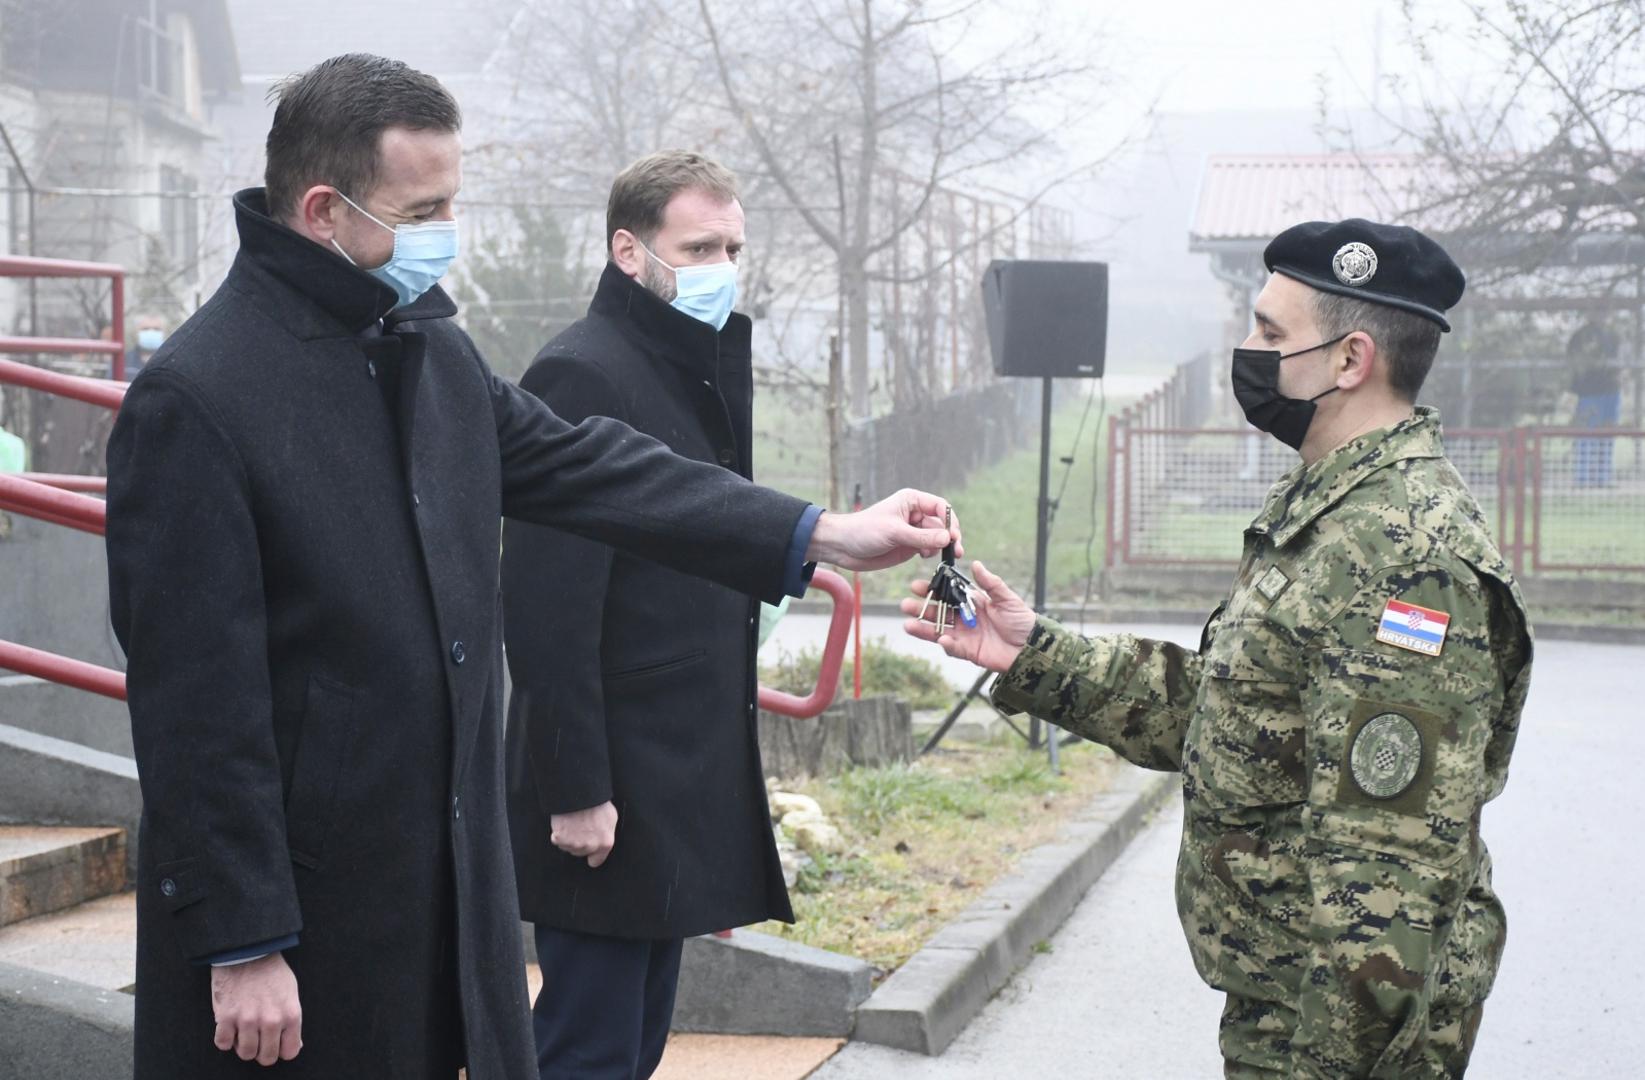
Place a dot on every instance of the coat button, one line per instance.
(727, 457)
(457, 652)
(415, 499)
(456, 811)
(371, 368)
(168, 887)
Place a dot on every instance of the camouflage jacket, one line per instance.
(1352, 706)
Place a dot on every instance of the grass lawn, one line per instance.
(924, 840)
(791, 444)
(1594, 528)
(997, 507)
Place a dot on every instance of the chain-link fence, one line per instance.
(1559, 501)
(1585, 504)
(937, 446)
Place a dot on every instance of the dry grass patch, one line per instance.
(923, 841)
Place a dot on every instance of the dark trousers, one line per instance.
(605, 1007)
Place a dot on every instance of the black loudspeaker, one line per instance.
(1047, 318)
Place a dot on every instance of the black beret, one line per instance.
(1380, 264)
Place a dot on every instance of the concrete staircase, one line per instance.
(68, 935)
(64, 911)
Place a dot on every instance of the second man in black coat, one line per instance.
(636, 802)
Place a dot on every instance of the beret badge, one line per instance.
(1354, 263)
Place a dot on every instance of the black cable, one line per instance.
(1051, 515)
(1068, 469)
(1096, 473)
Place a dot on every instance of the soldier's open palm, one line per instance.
(1003, 623)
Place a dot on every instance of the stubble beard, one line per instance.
(658, 281)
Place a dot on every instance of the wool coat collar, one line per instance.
(662, 330)
(342, 298)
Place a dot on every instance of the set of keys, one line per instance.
(950, 591)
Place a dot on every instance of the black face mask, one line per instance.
(1256, 388)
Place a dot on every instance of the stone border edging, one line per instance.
(759, 984)
(59, 1029)
(925, 1004)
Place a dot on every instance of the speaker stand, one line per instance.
(1042, 544)
(1042, 541)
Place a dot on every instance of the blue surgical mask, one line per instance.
(422, 254)
(706, 293)
(150, 339)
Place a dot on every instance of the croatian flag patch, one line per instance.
(1407, 626)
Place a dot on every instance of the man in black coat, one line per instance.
(305, 485)
(636, 799)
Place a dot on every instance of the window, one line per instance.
(161, 56)
(179, 217)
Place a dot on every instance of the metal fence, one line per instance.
(938, 445)
(1559, 500)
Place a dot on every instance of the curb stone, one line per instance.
(760, 984)
(925, 1004)
(58, 1029)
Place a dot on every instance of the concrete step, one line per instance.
(94, 943)
(695, 1056)
(49, 868)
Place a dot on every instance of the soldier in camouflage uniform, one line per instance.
(1353, 703)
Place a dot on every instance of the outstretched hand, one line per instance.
(1003, 623)
(891, 531)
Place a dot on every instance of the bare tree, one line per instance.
(585, 87)
(842, 99)
(580, 89)
(1529, 172)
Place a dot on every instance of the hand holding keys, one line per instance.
(950, 592)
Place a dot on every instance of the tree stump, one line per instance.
(869, 731)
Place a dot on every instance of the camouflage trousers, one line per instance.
(1255, 1035)
(1255, 1039)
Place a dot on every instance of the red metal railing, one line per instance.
(61, 500)
(28, 266)
(104, 392)
(68, 481)
(52, 504)
(62, 669)
(57, 499)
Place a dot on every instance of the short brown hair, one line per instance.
(1407, 342)
(329, 123)
(642, 191)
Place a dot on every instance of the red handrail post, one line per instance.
(833, 655)
(117, 324)
(856, 618)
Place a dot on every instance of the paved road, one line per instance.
(1117, 996)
